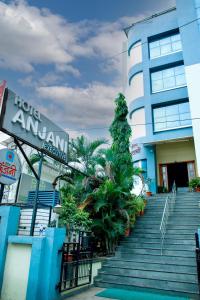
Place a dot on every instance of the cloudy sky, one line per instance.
(63, 56)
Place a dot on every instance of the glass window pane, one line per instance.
(169, 82)
(165, 46)
(160, 124)
(154, 44)
(159, 112)
(184, 107)
(155, 52)
(179, 70)
(172, 110)
(156, 75)
(176, 46)
(166, 49)
(180, 80)
(172, 116)
(173, 124)
(185, 119)
(157, 85)
(175, 37)
(165, 41)
(168, 73)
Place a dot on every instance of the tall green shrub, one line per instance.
(121, 132)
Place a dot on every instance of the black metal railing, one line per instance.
(197, 258)
(76, 266)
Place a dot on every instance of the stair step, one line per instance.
(150, 266)
(138, 262)
(159, 275)
(171, 241)
(191, 227)
(167, 245)
(162, 259)
(151, 283)
(182, 231)
(180, 253)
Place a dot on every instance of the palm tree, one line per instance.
(84, 152)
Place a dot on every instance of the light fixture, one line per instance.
(57, 209)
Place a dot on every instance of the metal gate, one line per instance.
(76, 267)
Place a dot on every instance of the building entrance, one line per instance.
(178, 172)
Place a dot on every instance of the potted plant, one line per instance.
(194, 184)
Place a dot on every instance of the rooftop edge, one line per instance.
(126, 30)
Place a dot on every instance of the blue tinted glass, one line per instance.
(185, 119)
(172, 110)
(180, 80)
(176, 37)
(160, 123)
(155, 52)
(159, 112)
(172, 116)
(179, 70)
(168, 72)
(169, 82)
(154, 44)
(165, 41)
(173, 124)
(165, 46)
(184, 107)
(157, 85)
(156, 75)
(166, 49)
(176, 46)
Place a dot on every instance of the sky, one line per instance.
(64, 57)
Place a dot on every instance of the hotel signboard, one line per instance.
(24, 122)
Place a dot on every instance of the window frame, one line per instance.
(171, 128)
(174, 76)
(161, 38)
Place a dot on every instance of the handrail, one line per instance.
(168, 209)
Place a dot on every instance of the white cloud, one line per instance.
(92, 106)
(33, 36)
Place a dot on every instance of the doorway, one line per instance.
(179, 172)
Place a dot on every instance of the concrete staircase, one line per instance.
(138, 262)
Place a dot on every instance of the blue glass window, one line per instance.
(165, 46)
(168, 79)
(172, 116)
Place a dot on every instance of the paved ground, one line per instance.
(88, 295)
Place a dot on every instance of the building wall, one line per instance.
(174, 152)
(16, 272)
(144, 31)
(190, 35)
